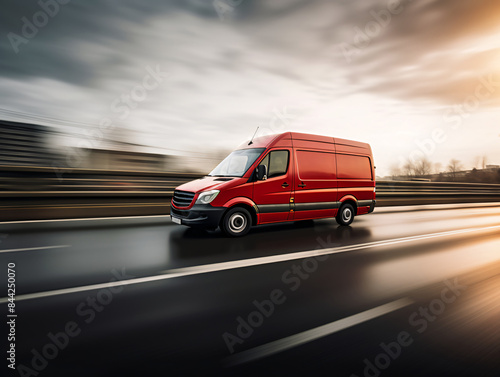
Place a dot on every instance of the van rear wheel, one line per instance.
(236, 222)
(345, 215)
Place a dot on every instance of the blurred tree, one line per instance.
(409, 168)
(423, 166)
(453, 168)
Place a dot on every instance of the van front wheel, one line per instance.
(345, 215)
(236, 222)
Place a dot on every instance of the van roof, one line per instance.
(344, 145)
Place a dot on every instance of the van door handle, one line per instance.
(302, 184)
(285, 185)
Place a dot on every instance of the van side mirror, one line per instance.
(261, 172)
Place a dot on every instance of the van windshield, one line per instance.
(237, 163)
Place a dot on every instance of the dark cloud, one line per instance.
(230, 69)
(55, 50)
(419, 37)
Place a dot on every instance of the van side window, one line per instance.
(265, 162)
(276, 162)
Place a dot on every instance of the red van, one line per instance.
(276, 178)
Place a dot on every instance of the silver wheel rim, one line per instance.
(346, 215)
(237, 222)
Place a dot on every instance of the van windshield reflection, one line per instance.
(237, 163)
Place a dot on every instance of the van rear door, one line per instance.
(355, 178)
(315, 186)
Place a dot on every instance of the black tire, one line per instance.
(345, 216)
(236, 222)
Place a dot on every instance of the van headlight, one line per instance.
(207, 197)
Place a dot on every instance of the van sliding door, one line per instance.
(315, 184)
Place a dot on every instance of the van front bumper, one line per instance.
(372, 206)
(199, 216)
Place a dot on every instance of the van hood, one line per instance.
(210, 183)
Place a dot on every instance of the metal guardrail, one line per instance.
(394, 193)
(42, 193)
(44, 182)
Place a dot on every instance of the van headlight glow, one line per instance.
(207, 197)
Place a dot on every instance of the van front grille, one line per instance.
(182, 198)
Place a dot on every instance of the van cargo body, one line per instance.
(286, 177)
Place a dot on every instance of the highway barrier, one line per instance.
(30, 193)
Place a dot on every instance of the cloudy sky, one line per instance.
(412, 78)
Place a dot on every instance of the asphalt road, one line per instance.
(410, 291)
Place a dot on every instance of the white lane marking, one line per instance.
(378, 209)
(215, 267)
(83, 219)
(34, 248)
(307, 336)
(312, 253)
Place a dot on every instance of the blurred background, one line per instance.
(138, 97)
(107, 106)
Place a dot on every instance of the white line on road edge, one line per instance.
(34, 248)
(83, 219)
(215, 267)
(283, 344)
(389, 209)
